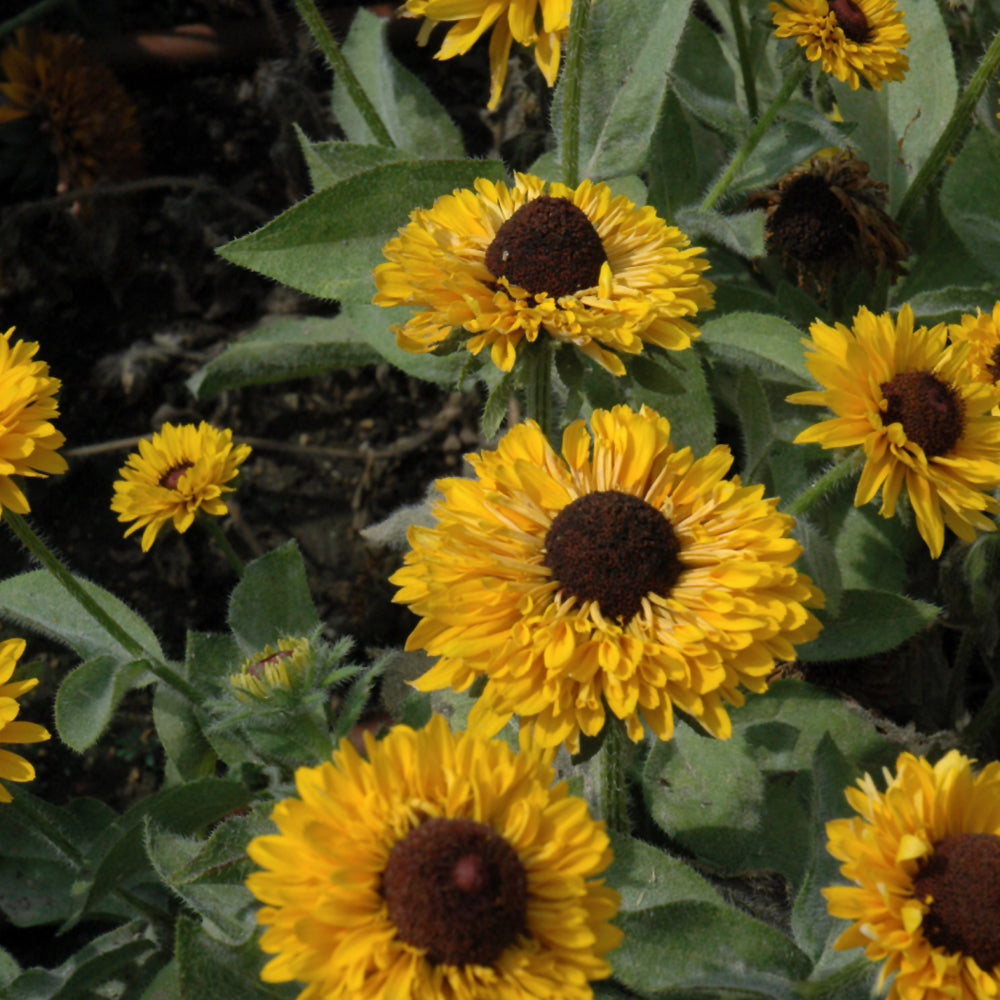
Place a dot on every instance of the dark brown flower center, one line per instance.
(612, 548)
(961, 884)
(458, 890)
(994, 366)
(852, 21)
(810, 224)
(930, 411)
(259, 667)
(173, 477)
(548, 245)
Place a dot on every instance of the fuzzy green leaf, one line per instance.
(970, 198)
(768, 344)
(331, 161)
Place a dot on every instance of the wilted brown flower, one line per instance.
(827, 213)
(88, 116)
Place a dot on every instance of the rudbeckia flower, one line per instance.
(624, 576)
(181, 471)
(274, 668)
(923, 858)
(982, 333)
(505, 265)
(537, 24)
(906, 397)
(442, 867)
(29, 443)
(851, 38)
(14, 767)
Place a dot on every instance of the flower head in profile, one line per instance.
(510, 265)
(14, 767)
(923, 858)
(442, 867)
(274, 668)
(851, 38)
(624, 576)
(537, 24)
(982, 333)
(181, 471)
(905, 396)
(828, 215)
(29, 443)
(78, 105)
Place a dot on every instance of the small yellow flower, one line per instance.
(537, 24)
(623, 576)
(442, 867)
(982, 333)
(29, 443)
(906, 397)
(182, 470)
(509, 265)
(273, 668)
(849, 37)
(924, 860)
(12, 766)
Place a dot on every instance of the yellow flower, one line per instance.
(982, 333)
(443, 867)
(181, 471)
(12, 766)
(924, 857)
(625, 575)
(585, 267)
(850, 37)
(273, 668)
(28, 442)
(539, 24)
(88, 117)
(906, 397)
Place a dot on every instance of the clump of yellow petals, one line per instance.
(179, 472)
(649, 285)
(274, 668)
(883, 849)
(327, 922)
(832, 33)
(29, 443)
(491, 608)
(13, 767)
(854, 366)
(982, 333)
(537, 24)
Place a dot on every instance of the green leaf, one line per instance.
(674, 178)
(181, 735)
(970, 198)
(704, 82)
(283, 349)
(497, 407)
(416, 122)
(117, 955)
(38, 601)
(209, 968)
(373, 326)
(754, 414)
(709, 946)
(770, 345)
(628, 54)
(332, 161)
(328, 244)
(89, 695)
(867, 622)
(742, 233)
(819, 560)
(272, 600)
(8, 968)
(646, 878)
(871, 552)
(942, 304)
(166, 984)
(898, 125)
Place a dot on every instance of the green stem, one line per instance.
(328, 46)
(749, 84)
(955, 127)
(27, 16)
(212, 526)
(750, 143)
(538, 382)
(22, 530)
(569, 152)
(614, 775)
(826, 483)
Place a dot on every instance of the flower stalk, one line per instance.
(341, 68)
(826, 484)
(538, 383)
(214, 529)
(24, 533)
(572, 76)
(750, 143)
(743, 47)
(614, 776)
